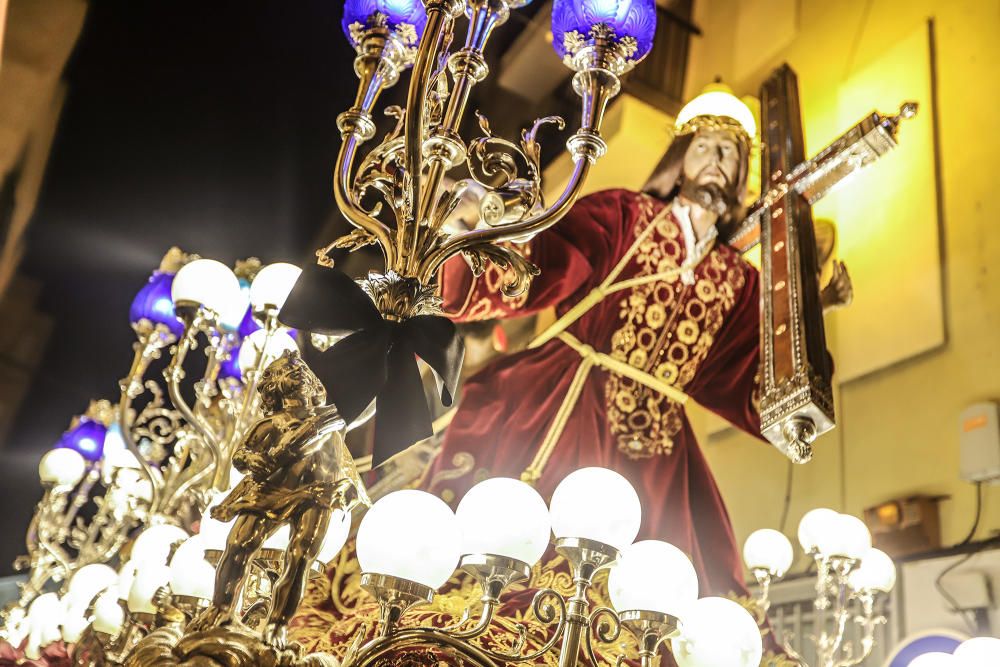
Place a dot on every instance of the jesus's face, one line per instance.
(713, 158)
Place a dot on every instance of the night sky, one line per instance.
(209, 125)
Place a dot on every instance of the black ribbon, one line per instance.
(377, 359)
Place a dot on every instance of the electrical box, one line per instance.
(979, 434)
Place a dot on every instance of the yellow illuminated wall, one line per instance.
(898, 430)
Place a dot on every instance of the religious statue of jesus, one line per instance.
(654, 310)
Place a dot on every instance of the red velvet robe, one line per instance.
(703, 338)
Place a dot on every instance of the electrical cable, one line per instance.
(788, 498)
(939, 581)
(979, 515)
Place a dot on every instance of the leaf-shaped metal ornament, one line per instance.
(518, 271)
(358, 238)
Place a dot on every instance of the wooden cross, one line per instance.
(796, 390)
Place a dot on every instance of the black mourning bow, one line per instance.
(377, 359)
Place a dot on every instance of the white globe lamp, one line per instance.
(716, 632)
(410, 535)
(206, 283)
(336, 536)
(978, 652)
(88, 581)
(813, 526)
(847, 537)
(596, 504)
(768, 550)
(126, 575)
(149, 578)
(876, 573)
(278, 541)
(653, 576)
(213, 533)
(504, 517)
(154, 544)
(109, 617)
(258, 349)
(61, 468)
(192, 577)
(271, 287)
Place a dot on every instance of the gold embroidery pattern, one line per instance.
(667, 329)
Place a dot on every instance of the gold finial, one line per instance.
(247, 269)
(174, 259)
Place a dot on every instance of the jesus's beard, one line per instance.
(710, 196)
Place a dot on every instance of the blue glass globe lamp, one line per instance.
(619, 32)
(401, 20)
(85, 437)
(153, 308)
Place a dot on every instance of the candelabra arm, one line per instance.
(829, 644)
(174, 373)
(764, 579)
(528, 227)
(146, 349)
(80, 498)
(342, 180)
(440, 19)
(607, 632)
(586, 558)
(869, 621)
(444, 149)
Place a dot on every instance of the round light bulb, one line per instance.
(410, 535)
(214, 534)
(847, 536)
(117, 459)
(149, 578)
(193, 577)
(254, 356)
(279, 539)
(336, 536)
(272, 285)
(935, 659)
(978, 652)
(876, 572)
(768, 550)
(73, 624)
(44, 618)
(716, 632)
(504, 517)
(131, 483)
(207, 283)
(653, 576)
(596, 504)
(718, 100)
(231, 318)
(16, 627)
(153, 544)
(126, 575)
(109, 617)
(815, 523)
(90, 580)
(61, 468)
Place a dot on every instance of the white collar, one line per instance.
(693, 248)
